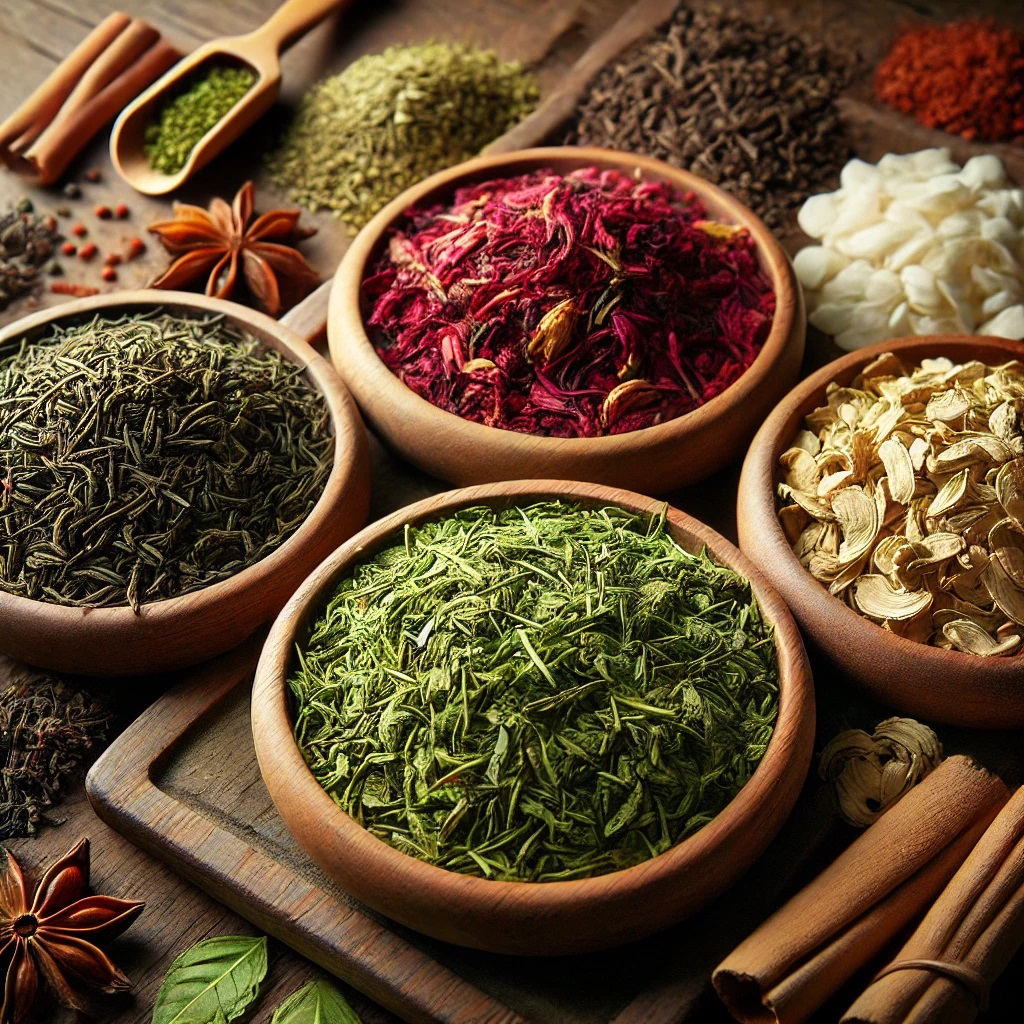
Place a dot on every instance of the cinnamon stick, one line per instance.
(110, 67)
(972, 931)
(22, 127)
(807, 950)
(58, 145)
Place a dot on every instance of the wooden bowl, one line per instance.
(925, 682)
(191, 628)
(655, 459)
(531, 917)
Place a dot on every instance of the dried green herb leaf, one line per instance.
(587, 694)
(316, 1003)
(214, 982)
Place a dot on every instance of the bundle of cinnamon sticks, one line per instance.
(109, 68)
(954, 845)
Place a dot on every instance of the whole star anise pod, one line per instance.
(217, 242)
(51, 939)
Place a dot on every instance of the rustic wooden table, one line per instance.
(550, 34)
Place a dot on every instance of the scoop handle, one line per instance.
(292, 20)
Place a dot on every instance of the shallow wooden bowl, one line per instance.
(929, 683)
(531, 917)
(189, 629)
(656, 459)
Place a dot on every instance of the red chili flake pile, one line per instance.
(966, 77)
(568, 306)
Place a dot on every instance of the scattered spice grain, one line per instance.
(27, 243)
(966, 77)
(392, 118)
(741, 102)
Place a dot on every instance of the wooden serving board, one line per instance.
(183, 783)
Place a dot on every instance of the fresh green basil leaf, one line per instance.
(316, 1003)
(214, 982)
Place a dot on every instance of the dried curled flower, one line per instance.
(217, 242)
(51, 938)
(871, 772)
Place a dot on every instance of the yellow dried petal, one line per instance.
(948, 406)
(969, 637)
(1008, 597)
(1006, 542)
(1009, 487)
(899, 469)
(950, 494)
(858, 518)
(878, 599)
(554, 331)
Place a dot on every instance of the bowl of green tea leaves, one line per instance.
(171, 467)
(535, 717)
(569, 313)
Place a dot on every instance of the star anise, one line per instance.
(51, 940)
(215, 243)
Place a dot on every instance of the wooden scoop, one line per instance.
(259, 51)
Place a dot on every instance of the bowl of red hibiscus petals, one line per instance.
(567, 312)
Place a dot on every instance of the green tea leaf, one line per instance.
(214, 982)
(316, 1003)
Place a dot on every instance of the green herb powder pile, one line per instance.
(390, 119)
(181, 124)
(537, 693)
(146, 457)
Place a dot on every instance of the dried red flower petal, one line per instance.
(52, 937)
(573, 305)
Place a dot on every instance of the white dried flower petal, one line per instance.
(1007, 324)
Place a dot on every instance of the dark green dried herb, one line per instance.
(538, 693)
(47, 730)
(149, 456)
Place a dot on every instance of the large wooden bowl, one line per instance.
(189, 629)
(531, 917)
(656, 459)
(929, 683)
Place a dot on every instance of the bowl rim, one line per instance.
(292, 347)
(349, 340)
(343, 839)
(757, 489)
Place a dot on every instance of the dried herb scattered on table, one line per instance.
(184, 120)
(537, 693)
(47, 730)
(149, 456)
(904, 496)
(228, 247)
(28, 241)
(740, 101)
(50, 940)
(576, 305)
(389, 119)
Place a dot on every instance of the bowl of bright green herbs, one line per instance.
(171, 467)
(567, 313)
(536, 717)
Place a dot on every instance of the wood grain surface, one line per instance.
(551, 34)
